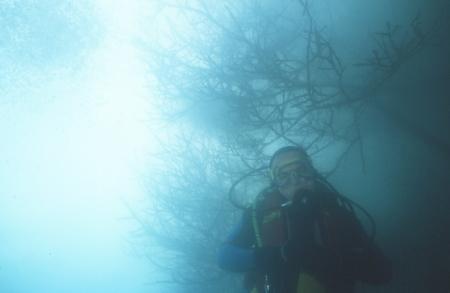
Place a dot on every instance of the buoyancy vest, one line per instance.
(271, 227)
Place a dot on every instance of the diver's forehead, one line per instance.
(296, 165)
(289, 158)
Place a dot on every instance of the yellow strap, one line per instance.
(309, 284)
(257, 235)
(256, 227)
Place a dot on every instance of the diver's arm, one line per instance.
(236, 254)
(355, 256)
(235, 259)
(370, 265)
(365, 260)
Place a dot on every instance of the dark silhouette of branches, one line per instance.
(275, 74)
(190, 213)
(277, 87)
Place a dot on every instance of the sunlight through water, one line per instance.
(74, 141)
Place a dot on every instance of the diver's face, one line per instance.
(293, 173)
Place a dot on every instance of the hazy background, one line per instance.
(79, 119)
(74, 138)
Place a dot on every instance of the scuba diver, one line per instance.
(302, 236)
